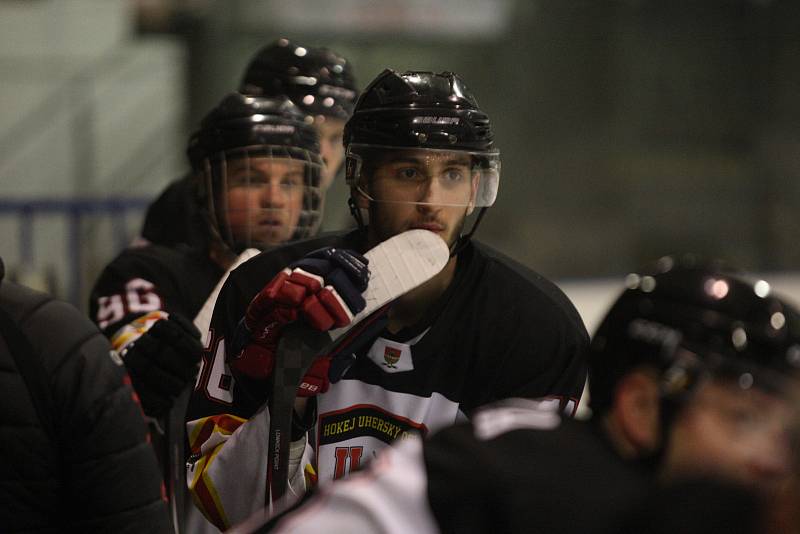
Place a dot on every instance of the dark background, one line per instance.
(628, 130)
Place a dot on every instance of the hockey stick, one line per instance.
(396, 266)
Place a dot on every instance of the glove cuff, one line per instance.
(132, 331)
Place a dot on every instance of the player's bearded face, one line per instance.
(264, 199)
(742, 434)
(419, 189)
(330, 132)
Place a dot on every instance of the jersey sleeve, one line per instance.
(135, 283)
(537, 344)
(227, 431)
(548, 365)
(227, 472)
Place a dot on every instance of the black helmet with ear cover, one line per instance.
(420, 110)
(690, 320)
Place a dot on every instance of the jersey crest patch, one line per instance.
(393, 356)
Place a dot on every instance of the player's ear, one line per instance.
(636, 410)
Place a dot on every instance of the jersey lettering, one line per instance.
(109, 310)
(217, 382)
(139, 297)
(342, 466)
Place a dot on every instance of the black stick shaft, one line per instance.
(298, 347)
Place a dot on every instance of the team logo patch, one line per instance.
(391, 355)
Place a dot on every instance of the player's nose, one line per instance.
(430, 192)
(272, 194)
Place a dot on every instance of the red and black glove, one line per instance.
(323, 289)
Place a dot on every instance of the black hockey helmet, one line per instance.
(419, 110)
(428, 113)
(237, 136)
(318, 80)
(690, 321)
(240, 120)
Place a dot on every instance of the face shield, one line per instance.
(263, 196)
(424, 176)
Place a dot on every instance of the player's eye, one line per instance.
(289, 181)
(244, 179)
(408, 173)
(454, 175)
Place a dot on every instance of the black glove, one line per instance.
(162, 362)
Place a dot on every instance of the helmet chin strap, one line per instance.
(672, 401)
(462, 240)
(355, 211)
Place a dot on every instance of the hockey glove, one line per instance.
(161, 353)
(323, 289)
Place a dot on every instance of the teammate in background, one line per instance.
(257, 168)
(693, 373)
(317, 80)
(75, 450)
(420, 155)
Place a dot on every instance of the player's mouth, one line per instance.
(431, 226)
(269, 223)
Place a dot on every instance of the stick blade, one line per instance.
(397, 266)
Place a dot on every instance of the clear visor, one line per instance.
(436, 177)
(263, 196)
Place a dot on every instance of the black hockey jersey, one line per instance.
(512, 471)
(500, 330)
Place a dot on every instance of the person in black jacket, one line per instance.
(76, 455)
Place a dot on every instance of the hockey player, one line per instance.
(317, 80)
(693, 373)
(258, 169)
(257, 165)
(420, 155)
